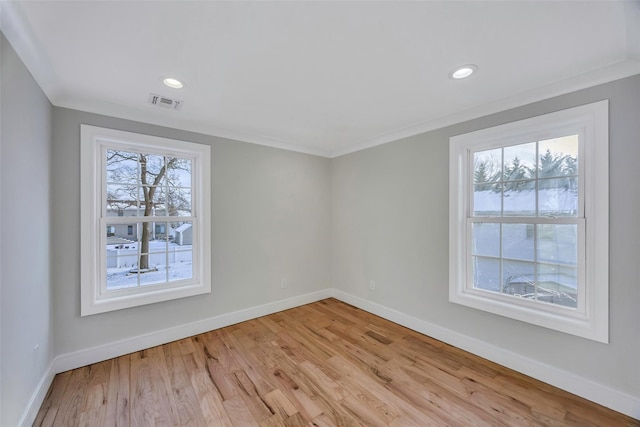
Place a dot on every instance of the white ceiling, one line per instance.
(320, 77)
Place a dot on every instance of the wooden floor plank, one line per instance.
(117, 410)
(239, 413)
(49, 409)
(211, 403)
(436, 403)
(152, 400)
(184, 395)
(72, 399)
(322, 364)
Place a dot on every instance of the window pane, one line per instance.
(523, 185)
(122, 167)
(519, 278)
(519, 162)
(121, 279)
(558, 243)
(152, 167)
(153, 264)
(121, 257)
(145, 235)
(487, 200)
(486, 273)
(557, 284)
(179, 173)
(179, 202)
(558, 197)
(117, 234)
(487, 166)
(160, 234)
(153, 276)
(183, 234)
(515, 242)
(159, 208)
(182, 268)
(486, 239)
(157, 199)
(520, 200)
(558, 157)
(123, 198)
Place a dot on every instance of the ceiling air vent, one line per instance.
(161, 101)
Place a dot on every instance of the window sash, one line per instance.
(579, 311)
(105, 293)
(105, 146)
(552, 132)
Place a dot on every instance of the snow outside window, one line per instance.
(145, 219)
(528, 202)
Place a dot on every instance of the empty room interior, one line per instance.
(319, 213)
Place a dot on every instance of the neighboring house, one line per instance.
(184, 235)
(130, 231)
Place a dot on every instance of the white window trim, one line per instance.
(591, 319)
(94, 140)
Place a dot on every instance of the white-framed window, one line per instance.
(529, 220)
(145, 219)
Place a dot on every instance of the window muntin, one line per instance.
(529, 220)
(534, 258)
(163, 260)
(146, 185)
(151, 195)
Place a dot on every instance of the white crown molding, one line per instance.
(163, 119)
(20, 36)
(608, 74)
(619, 70)
(14, 27)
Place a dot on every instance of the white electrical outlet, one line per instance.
(284, 284)
(372, 285)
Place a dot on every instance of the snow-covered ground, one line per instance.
(121, 261)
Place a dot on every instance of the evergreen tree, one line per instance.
(517, 176)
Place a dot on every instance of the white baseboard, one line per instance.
(31, 412)
(84, 357)
(601, 394)
(590, 390)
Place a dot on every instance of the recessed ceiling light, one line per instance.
(172, 83)
(463, 72)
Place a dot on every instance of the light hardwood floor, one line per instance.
(322, 364)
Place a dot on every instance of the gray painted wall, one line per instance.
(390, 224)
(24, 226)
(271, 220)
